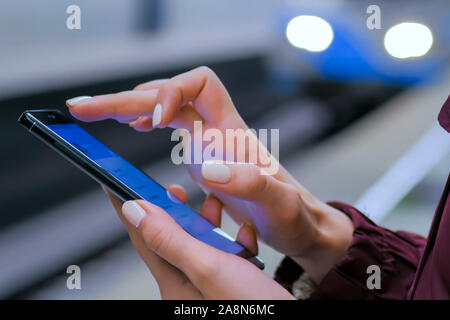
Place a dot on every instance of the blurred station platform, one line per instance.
(365, 141)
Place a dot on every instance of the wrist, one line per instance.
(333, 236)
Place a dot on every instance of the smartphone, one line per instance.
(129, 183)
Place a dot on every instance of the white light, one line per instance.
(310, 33)
(408, 39)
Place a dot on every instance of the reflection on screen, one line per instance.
(145, 187)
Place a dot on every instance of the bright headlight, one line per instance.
(408, 39)
(310, 33)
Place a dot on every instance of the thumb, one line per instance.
(167, 239)
(276, 208)
(216, 274)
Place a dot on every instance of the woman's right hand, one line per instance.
(284, 214)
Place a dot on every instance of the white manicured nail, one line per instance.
(157, 113)
(133, 212)
(216, 172)
(77, 100)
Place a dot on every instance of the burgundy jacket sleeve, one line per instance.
(397, 254)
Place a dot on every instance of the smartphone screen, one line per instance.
(145, 186)
(128, 182)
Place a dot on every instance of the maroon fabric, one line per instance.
(432, 280)
(396, 253)
(411, 266)
(444, 115)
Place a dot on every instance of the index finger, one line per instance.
(124, 106)
(202, 88)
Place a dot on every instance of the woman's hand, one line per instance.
(186, 268)
(284, 214)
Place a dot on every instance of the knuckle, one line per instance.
(155, 237)
(258, 182)
(205, 69)
(172, 89)
(207, 73)
(139, 87)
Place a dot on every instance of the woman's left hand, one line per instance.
(186, 268)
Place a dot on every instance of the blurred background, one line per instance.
(356, 102)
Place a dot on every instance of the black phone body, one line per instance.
(121, 177)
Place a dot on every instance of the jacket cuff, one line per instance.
(397, 255)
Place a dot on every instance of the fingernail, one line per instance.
(77, 100)
(157, 113)
(133, 212)
(216, 172)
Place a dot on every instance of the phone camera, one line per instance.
(51, 116)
